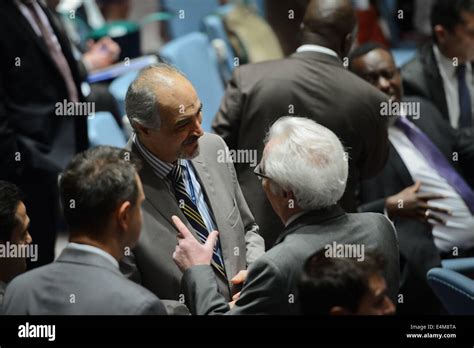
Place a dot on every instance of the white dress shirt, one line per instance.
(450, 83)
(94, 250)
(459, 229)
(317, 48)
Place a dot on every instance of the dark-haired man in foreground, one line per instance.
(344, 286)
(101, 194)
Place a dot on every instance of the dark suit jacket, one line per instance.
(421, 77)
(30, 86)
(417, 248)
(271, 285)
(307, 84)
(97, 285)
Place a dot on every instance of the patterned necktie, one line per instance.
(191, 211)
(437, 160)
(465, 118)
(55, 52)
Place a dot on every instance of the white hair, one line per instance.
(308, 160)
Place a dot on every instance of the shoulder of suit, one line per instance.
(213, 140)
(251, 73)
(371, 220)
(23, 281)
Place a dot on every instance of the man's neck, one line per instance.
(111, 246)
(292, 215)
(448, 55)
(318, 40)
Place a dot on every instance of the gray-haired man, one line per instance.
(304, 173)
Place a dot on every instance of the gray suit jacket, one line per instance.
(78, 283)
(307, 84)
(151, 263)
(271, 286)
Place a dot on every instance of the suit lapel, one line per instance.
(159, 194)
(31, 32)
(434, 79)
(396, 162)
(213, 202)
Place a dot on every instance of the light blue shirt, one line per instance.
(191, 180)
(94, 250)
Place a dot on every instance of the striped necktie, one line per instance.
(191, 211)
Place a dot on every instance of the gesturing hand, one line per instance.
(189, 252)
(414, 205)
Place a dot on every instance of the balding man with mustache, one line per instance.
(186, 174)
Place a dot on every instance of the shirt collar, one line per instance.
(94, 250)
(446, 64)
(317, 48)
(159, 167)
(294, 217)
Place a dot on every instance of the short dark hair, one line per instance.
(94, 184)
(327, 282)
(362, 50)
(10, 198)
(448, 13)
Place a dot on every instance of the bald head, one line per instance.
(330, 23)
(142, 103)
(165, 112)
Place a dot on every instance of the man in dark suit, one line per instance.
(442, 71)
(38, 136)
(304, 174)
(102, 195)
(433, 212)
(311, 83)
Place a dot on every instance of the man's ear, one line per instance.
(338, 310)
(140, 129)
(440, 32)
(347, 44)
(124, 215)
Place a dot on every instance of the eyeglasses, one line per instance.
(258, 172)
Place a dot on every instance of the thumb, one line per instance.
(211, 240)
(239, 277)
(417, 186)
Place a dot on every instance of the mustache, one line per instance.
(190, 140)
